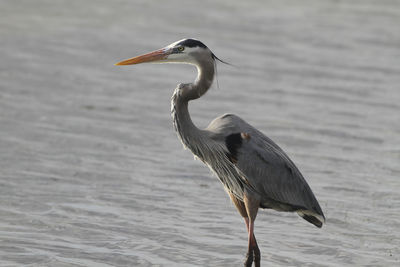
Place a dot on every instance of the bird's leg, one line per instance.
(257, 253)
(241, 207)
(251, 205)
(249, 256)
(253, 250)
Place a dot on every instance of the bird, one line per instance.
(254, 171)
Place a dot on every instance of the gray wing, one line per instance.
(267, 169)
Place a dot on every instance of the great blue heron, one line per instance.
(254, 170)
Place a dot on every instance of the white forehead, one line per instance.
(175, 43)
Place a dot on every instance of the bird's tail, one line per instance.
(312, 217)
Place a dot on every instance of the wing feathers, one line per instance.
(267, 168)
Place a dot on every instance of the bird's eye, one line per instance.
(181, 48)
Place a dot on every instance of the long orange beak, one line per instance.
(157, 55)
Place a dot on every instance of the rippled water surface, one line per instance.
(91, 171)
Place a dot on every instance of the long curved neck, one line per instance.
(188, 133)
(205, 76)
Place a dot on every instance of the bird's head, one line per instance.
(189, 51)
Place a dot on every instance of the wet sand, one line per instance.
(91, 171)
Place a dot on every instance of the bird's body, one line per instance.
(254, 170)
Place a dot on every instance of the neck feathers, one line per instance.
(187, 132)
(205, 77)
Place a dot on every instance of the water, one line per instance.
(91, 171)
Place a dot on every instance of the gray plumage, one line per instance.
(261, 167)
(253, 169)
(267, 170)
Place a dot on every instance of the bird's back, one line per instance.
(265, 168)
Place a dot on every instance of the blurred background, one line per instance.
(91, 171)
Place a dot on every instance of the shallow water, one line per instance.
(91, 171)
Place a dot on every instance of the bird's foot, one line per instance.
(249, 260)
